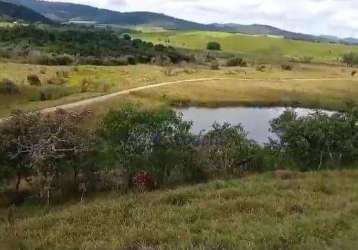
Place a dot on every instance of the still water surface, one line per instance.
(256, 121)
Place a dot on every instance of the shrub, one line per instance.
(94, 85)
(34, 80)
(350, 59)
(261, 68)
(236, 61)
(8, 87)
(63, 73)
(51, 92)
(215, 65)
(64, 59)
(213, 46)
(287, 67)
(56, 81)
(126, 37)
(307, 59)
(131, 60)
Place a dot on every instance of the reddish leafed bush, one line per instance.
(143, 181)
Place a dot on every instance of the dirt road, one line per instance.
(103, 98)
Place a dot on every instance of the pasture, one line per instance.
(317, 86)
(256, 46)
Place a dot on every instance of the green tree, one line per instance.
(43, 145)
(227, 148)
(155, 141)
(213, 46)
(317, 140)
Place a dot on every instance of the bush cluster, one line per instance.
(146, 149)
(213, 46)
(236, 61)
(34, 80)
(85, 45)
(350, 59)
(8, 87)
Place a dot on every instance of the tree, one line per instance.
(227, 148)
(44, 145)
(213, 46)
(154, 141)
(316, 140)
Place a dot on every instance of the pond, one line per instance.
(256, 121)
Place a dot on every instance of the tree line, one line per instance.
(140, 149)
(84, 45)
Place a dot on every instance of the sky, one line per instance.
(328, 17)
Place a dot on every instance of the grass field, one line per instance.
(260, 46)
(270, 88)
(281, 210)
(244, 86)
(6, 24)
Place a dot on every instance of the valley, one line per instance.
(142, 131)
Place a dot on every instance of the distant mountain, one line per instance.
(69, 12)
(258, 29)
(66, 12)
(15, 12)
(350, 40)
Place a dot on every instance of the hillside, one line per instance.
(66, 12)
(284, 210)
(258, 46)
(16, 13)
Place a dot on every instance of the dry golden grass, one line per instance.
(305, 211)
(269, 89)
(329, 94)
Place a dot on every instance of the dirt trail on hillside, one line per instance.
(106, 97)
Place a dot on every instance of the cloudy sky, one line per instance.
(331, 17)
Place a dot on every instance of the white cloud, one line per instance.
(333, 17)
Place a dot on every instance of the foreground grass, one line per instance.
(269, 211)
(251, 45)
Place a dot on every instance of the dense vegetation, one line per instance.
(148, 149)
(13, 12)
(62, 46)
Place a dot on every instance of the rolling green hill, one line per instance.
(250, 44)
(9, 11)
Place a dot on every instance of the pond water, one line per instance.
(256, 121)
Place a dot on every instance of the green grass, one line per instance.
(270, 211)
(6, 24)
(260, 46)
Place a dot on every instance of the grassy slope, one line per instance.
(280, 211)
(254, 45)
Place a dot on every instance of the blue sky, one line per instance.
(331, 17)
